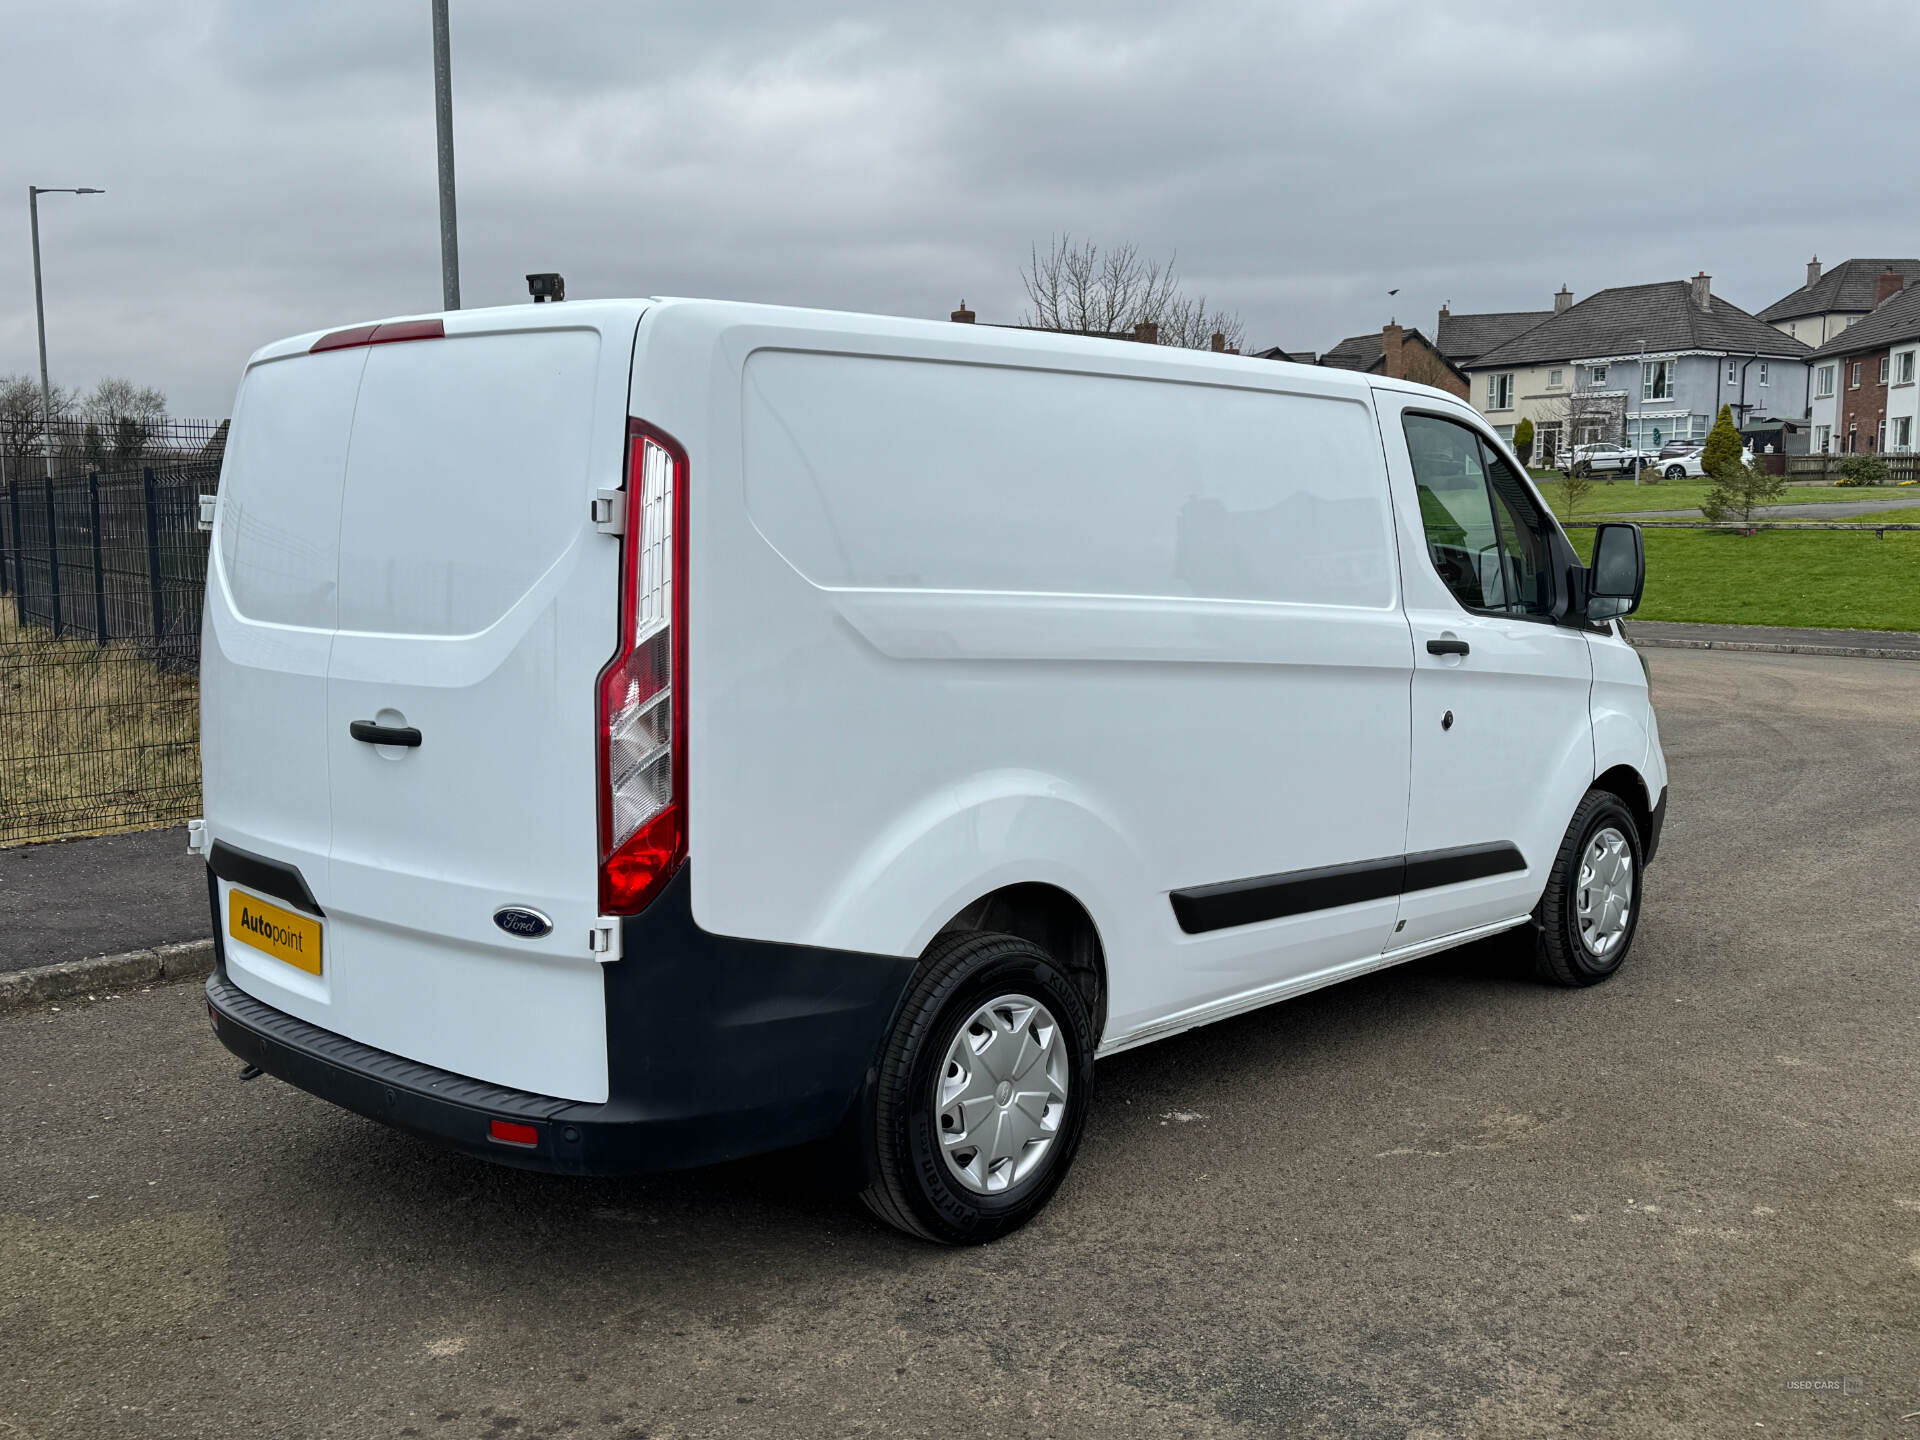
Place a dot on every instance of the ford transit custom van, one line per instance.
(639, 734)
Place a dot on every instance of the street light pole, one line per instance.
(443, 122)
(34, 192)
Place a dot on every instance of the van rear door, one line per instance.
(475, 604)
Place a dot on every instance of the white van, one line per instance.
(643, 733)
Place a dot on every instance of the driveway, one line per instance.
(1436, 1202)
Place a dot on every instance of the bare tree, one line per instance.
(1576, 418)
(1080, 287)
(22, 421)
(122, 419)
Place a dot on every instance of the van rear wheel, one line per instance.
(982, 1091)
(1585, 921)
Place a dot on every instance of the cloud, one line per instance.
(270, 169)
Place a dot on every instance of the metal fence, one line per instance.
(101, 576)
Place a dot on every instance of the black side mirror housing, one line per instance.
(1618, 574)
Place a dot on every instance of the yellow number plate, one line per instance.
(284, 934)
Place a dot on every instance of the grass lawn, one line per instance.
(92, 738)
(1623, 497)
(1825, 578)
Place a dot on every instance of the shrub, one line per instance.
(1724, 446)
(1523, 440)
(1862, 470)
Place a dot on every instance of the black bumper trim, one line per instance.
(717, 1048)
(1655, 824)
(274, 879)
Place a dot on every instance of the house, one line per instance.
(1463, 339)
(1864, 391)
(1298, 357)
(1640, 365)
(1820, 309)
(1401, 354)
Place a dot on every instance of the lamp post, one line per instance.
(34, 192)
(443, 125)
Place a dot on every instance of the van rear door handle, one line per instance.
(372, 734)
(1434, 647)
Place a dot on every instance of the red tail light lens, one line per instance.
(643, 692)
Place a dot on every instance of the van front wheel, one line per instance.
(982, 1091)
(1586, 919)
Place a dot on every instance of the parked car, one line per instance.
(1688, 463)
(640, 734)
(1600, 459)
(1679, 447)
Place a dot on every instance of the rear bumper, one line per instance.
(717, 1048)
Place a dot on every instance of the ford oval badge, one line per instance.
(519, 920)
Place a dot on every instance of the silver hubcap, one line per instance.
(1002, 1093)
(1605, 901)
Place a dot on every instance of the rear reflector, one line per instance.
(380, 334)
(508, 1133)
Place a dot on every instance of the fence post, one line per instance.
(19, 555)
(153, 554)
(53, 559)
(9, 580)
(99, 569)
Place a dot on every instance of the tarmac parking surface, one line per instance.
(1434, 1202)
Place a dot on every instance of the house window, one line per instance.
(1599, 375)
(1733, 375)
(1880, 436)
(1553, 377)
(1822, 439)
(1883, 369)
(1903, 434)
(1903, 368)
(1854, 382)
(1763, 372)
(1847, 324)
(1500, 392)
(1823, 382)
(1853, 438)
(1656, 380)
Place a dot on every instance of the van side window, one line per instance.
(1483, 533)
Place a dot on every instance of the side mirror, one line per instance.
(1618, 573)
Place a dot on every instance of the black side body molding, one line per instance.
(1298, 892)
(274, 879)
(1655, 824)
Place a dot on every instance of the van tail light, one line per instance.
(643, 690)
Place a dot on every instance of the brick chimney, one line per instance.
(1890, 282)
(1392, 338)
(962, 316)
(1446, 309)
(1219, 342)
(1562, 298)
(1703, 291)
(1813, 271)
(1147, 332)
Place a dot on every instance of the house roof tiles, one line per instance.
(1631, 319)
(1848, 286)
(1897, 319)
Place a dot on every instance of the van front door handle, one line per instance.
(372, 734)
(1434, 647)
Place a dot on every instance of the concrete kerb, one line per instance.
(1772, 647)
(188, 960)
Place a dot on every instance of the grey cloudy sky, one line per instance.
(270, 165)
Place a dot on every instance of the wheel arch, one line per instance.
(1630, 787)
(1053, 919)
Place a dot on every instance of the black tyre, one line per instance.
(982, 1091)
(1676, 472)
(1585, 922)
